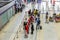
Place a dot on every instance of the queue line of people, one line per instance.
(33, 18)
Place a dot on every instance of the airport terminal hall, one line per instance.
(29, 19)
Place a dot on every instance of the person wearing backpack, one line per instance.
(38, 23)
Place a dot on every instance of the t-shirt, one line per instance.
(27, 28)
(29, 21)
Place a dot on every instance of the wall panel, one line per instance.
(4, 18)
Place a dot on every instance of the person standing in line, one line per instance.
(38, 13)
(32, 28)
(24, 26)
(38, 23)
(29, 12)
(26, 30)
(20, 7)
(25, 23)
(28, 24)
(35, 12)
(15, 7)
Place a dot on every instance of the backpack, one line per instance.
(38, 21)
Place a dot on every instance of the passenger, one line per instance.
(38, 14)
(35, 12)
(29, 12)
(29, 21)
(20, 7)
(32, 13)
(38, 23)
(26, 30)
(32, 28)
(32, 18)
(47, 17)
(25, 23)
(15, 7)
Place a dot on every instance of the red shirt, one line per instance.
(31, 18)
(27, 28)
(29, 21)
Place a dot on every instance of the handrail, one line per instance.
(5, 1)
(21, 19)
(6, 7)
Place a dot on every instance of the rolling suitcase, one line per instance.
(40, 27)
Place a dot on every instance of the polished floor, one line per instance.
(50, 31)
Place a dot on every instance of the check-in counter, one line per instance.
(6, 12)
(0, 22)
(4, 18)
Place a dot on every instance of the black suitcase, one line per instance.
(40, 27)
